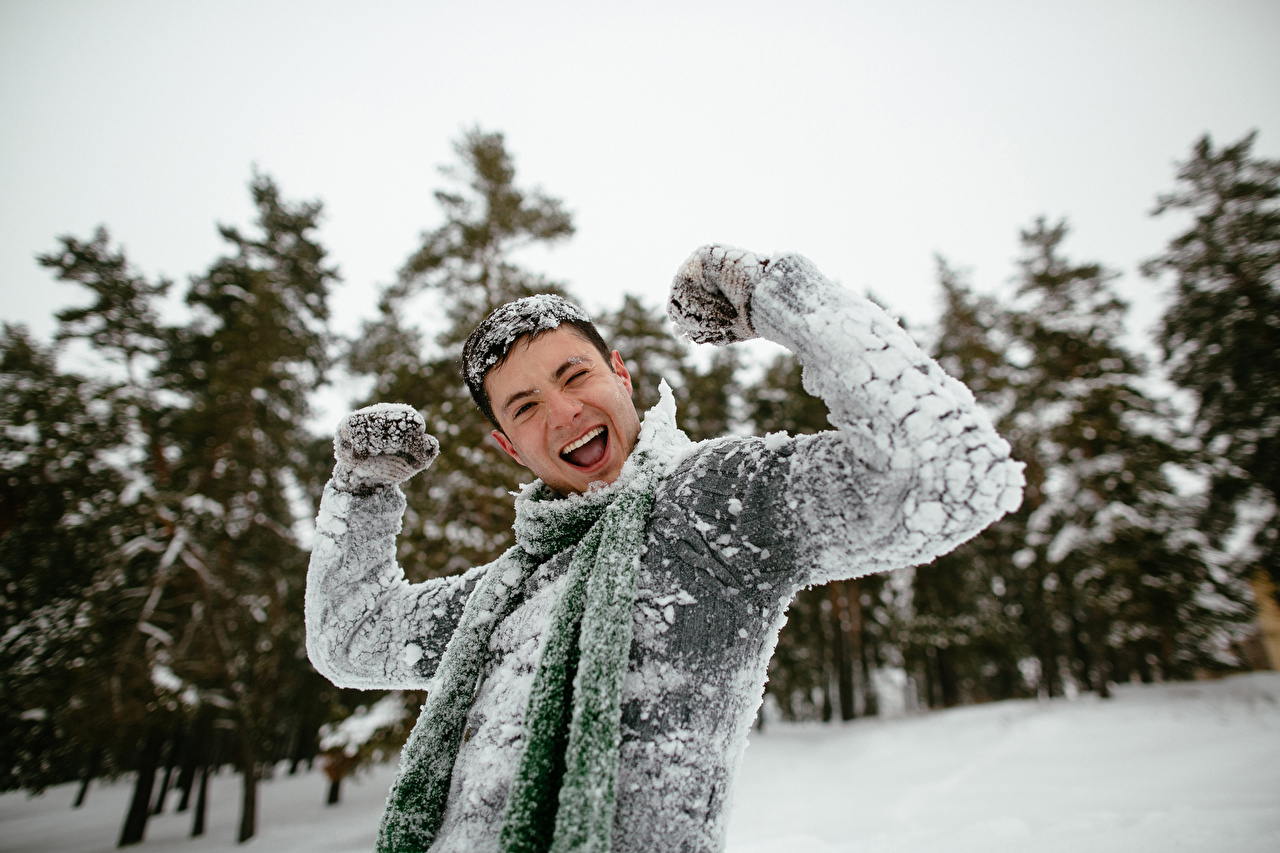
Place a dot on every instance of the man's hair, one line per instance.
(526, 320)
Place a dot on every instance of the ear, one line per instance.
(505, 444)
(615, 359)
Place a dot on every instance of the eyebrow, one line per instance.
(572, 361)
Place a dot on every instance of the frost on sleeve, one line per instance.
(368, 627)
(914, 467)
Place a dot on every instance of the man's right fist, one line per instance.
(710, 299)
(380, 445)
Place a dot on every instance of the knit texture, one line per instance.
(564, 792)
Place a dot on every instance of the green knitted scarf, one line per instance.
(563, 794)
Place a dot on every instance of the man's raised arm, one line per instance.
(368, 627)
(913, 468)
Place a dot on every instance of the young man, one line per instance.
(592, 689)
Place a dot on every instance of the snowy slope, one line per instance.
(1173, 767)
(1168, 767)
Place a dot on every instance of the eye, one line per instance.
(575, 377)
(520, 411)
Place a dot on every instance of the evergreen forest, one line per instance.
(154, 511)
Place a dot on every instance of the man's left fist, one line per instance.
(711, 294)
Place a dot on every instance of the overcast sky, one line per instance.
(868, 136)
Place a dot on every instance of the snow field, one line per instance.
(1170, 767)
(292, 817)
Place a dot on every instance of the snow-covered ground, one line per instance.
(1171, 767)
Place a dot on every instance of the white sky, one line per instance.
(867, 136)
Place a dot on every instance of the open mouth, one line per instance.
(588, 450)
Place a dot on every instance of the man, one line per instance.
(593, 687)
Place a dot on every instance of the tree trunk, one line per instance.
(932, 688)
(202, 803)
(1101, 654)
(1082, 634)
(863, 652)
(1104, 680)
(90, 771)
(306, 737)
(295, 749)
(135, 822)
(82, 792)
(824, 661)
(1053, 675)
(176, 747)
(196, 755)
(249, 798)
(948, 679)
(167, 777)
(841, 659)
(164, 789)
(186, 778)
(335, 792)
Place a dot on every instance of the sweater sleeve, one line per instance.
(367, 626)
(912, 469)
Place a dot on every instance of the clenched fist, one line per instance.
(711, 294)
(380, 445)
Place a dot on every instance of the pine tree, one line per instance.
(122, 327)
(163, 497)
(1221, 337)
(459, 513)
(64, 519)
(245, 368)
(468, 260)
(114, 614)
(1110, 581)
(126, 707)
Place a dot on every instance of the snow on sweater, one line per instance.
(912, 469)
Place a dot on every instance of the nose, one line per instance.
(563, 408)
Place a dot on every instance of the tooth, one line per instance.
(575, 445)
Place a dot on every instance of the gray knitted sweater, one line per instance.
(912, 469)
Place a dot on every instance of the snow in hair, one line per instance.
(492, 339)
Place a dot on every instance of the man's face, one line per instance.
(565, 415)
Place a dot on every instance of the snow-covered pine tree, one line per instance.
(72, 705)
(243, 370)
(459, 514)
(1111, 577)
(126, 683)
(1221, 339)
(150, 514)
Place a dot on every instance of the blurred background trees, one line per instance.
(153, 567)
(1220, 338)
